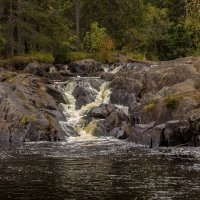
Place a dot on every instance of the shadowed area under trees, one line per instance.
(76, 29)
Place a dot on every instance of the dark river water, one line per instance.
(98, 169)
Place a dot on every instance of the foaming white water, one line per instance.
(117, 69)
(124, 108)
(74, 116)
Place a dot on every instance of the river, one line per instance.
(102, 168)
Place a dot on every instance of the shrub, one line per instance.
(149, 107)
(75, 56)
(8, 76)
(196, 52)
(79, 55)
(137, 56)
(93, 38)
(106, 48)
(26, 118)
(171, 102)
(43, 57)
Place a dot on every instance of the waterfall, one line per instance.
(74, 116)
(74, 122)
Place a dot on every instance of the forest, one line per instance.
(75, 29)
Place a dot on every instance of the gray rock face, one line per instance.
(83, 96)
(27, 111)
(86, 91)
(107, 76)
(87, 67)
(146, 134)
(50, 71)
(177, 133)
(39, 69)
(114, 122)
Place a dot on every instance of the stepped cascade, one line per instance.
(96, 92)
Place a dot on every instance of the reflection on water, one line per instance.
(98, 169)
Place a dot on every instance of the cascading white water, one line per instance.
(75, 117)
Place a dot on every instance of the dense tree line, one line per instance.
(153, 29)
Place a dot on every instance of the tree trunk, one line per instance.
(20, 43)
(11, 30)
(77, 19)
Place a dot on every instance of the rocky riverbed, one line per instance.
(155, 104)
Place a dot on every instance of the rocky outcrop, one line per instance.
(87, 67)
(109, 120)
(86, 91)
(107, 76)
(27, 111)
(50, 71)
(163, 100)
(165, 92)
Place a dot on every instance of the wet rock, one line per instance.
(69, 130)
(87, 67)
(107, 76)
(118, 133)
(99, 129)
(114, 122)
(153, 137)
(177, 133)
(115, 119)
(122, 132)
(101, 111)
(27, 111)
(145, 127)
(83, 95)
(143, 134)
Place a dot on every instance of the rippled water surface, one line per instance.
(98, 169)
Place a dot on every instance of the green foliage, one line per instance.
(157, 26)
(149, 107)
(137, 56)
(171, 102)
(196, 52)
(80, 55)
(106, 48)
(116, 16)
(43, 57)
(98, 43)
(8, 76)
(27, 118)
(152, 29)
(93, 38)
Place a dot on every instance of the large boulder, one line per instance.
(83, 95)
(102, 111)
(107, 76)
(177, 133)
(86, 91)
(27, 111)
(87, 67)
(39, 69)
(47, 70)
(109, 120)
(146, 134)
